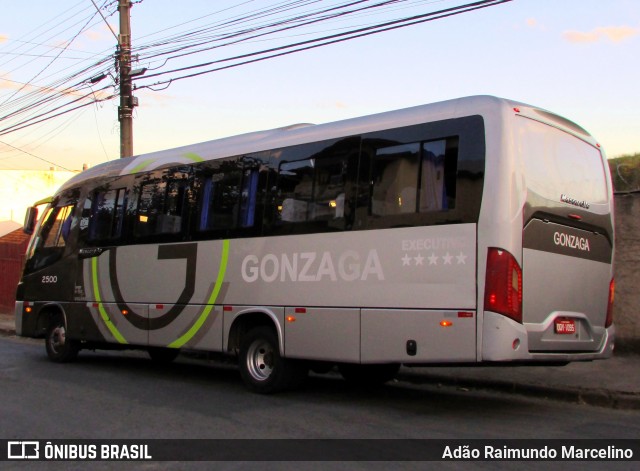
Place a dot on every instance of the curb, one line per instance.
(591, 397)
(7, 331)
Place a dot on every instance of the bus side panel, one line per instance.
(81, 325)
(411, 268)
(198, 327)
(115, 327)
(416, 336)
(323, 334)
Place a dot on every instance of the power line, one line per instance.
(34, 155)
(320, 42)
(67, 94)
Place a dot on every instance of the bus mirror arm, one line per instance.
(30, 220)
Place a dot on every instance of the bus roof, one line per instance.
(258, 141)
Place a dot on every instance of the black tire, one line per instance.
(163, 356)
(368, 375)
(59, 348)
(262, 368)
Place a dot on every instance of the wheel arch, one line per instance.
(245, 320)
(47, 313)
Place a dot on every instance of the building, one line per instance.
(12, 249)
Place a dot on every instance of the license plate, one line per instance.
(565, 326)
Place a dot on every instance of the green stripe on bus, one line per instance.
(210, 302)
(103, 314)
(140, 167)
(194, 157)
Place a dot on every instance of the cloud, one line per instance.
(7, 84)
(614, 34)
(532, 24)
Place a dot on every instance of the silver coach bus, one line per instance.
(471, 231)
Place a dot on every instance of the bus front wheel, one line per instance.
(262, 368)
(60, 349)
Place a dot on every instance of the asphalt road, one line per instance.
(123, 395)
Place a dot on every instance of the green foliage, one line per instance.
(625, 172)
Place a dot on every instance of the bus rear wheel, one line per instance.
(59, 348)
(368, 375)
(262, 368)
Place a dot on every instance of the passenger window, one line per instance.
(295, 188)
(151, 210)
(312, 193)
(438, 175)
(413, 183)
(395, 180)
(163, 205)
(220, 198)
(329, 189)
(249, 197)
(107, 214)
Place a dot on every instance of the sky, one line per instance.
(577, 58)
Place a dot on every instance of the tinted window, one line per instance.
(315, 187)
(438, 175)
(164, 205)
(395, 180)
(422, 175)
(107, 214)
(231, 194)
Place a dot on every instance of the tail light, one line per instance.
(612, 289)
(503, 285)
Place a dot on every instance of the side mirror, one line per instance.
(30, 220)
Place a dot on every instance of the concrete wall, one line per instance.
(626, 314)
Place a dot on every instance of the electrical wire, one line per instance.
(35, 103)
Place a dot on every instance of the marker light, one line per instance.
(503, 285)
(291, 318)
(333, 204)
(445, 323)
(612, 292)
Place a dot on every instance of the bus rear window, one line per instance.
(557, 163)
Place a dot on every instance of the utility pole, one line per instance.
(127, 100)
